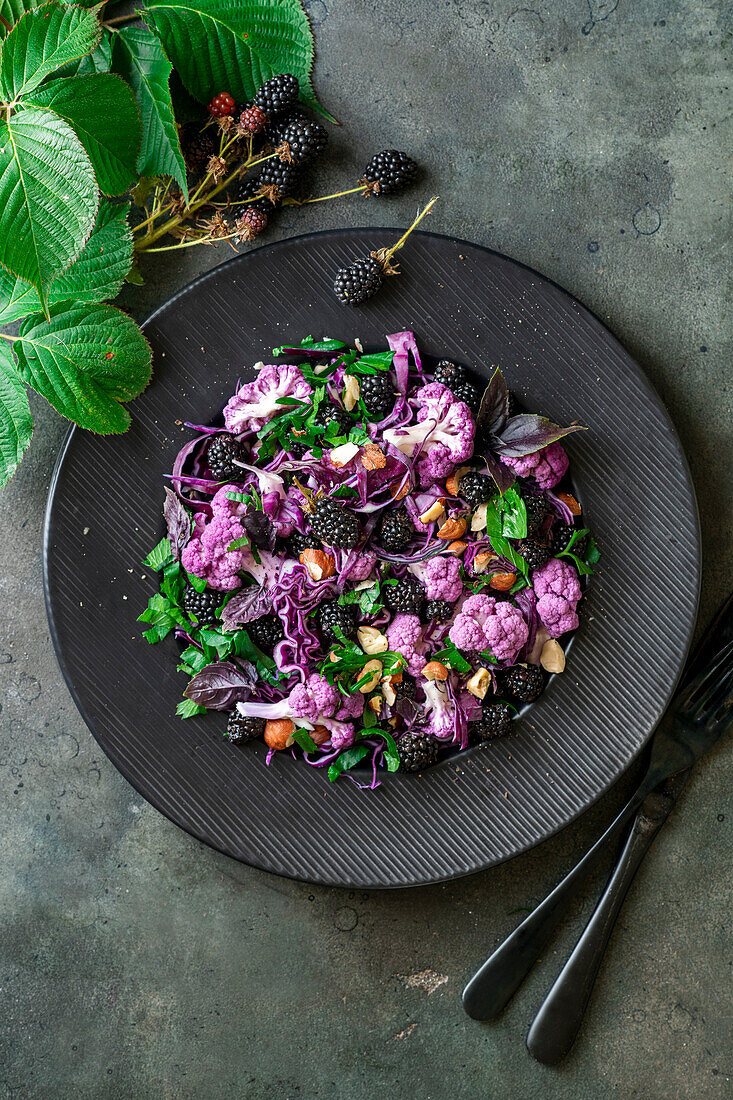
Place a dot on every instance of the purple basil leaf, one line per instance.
(246, 606)
(178, 521)
(525, 434)
(219, 685)
(260, 529)
(494, 407)
(407, 709)
(504, 476)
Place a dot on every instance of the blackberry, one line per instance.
(562, 535)
(277, 94)
(199, 146)
(222, 452)
(333, 414)
(397, 531)
(458, 382)
(495, 721)
(358, 282)
(438, 611)
(377, 391)
(278, 179)
(476, 488)
(252, 119)
(306, 139)
(391, 171)
(250, 223)
(523, 683)
(266, 631)
(332, 524)
(332, 615)
(276, 127)
(536, 511)
(221, 105)
(247, 188)
(417, 751)
(406, 688)
(298, 542)
(241, 729)
(534, 553)
(202, 605)
(404, 598)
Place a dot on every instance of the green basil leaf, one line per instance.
(160, 555)
(197, 583)
(188, 709)
(303, 738)
(348, 759)
(453, 657)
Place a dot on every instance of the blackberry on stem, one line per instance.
(277, 180)
(266, 631)
(202, 605)
(404, 598)
(277, 94)
(252, 119)
(250, 223)
(248, 188)
(221, 455)
(332, 615)
(357, 283)
(397, 531)
(377, 391)
(416, 751)
(391, 171)
(198, 145)
(305, 138)
(525, 683)
(241, 728)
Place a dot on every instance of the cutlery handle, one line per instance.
(558, 1021)
(493, 986)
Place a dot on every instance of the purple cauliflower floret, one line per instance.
(440, 710)
(441, 577)
(444, 430)
(558, 592)
(256, 402)
(352, 706)
(547, 466)
(342, 733)
(206, 554)
(404, 635)
(361, 568)
(314, 699)
(486, 623)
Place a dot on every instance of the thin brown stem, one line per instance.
(5, 23)
(117, 19)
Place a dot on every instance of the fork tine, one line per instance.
(710, 677)
(712, 704)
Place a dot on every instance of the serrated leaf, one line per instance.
(16, 422)
(527, 433)
(43, 40)
(235, 44)
(97, 275)
(137, 56)
(102, 111)
(100, 59)
(48, 197)
(85, 361)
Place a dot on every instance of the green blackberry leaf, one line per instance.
(43, 40)
(138, 57)
(236, 46)
(16, 422)
(48, 197)
(98, 273)
(85, 361)
(102, 112)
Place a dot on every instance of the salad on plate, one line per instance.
(370, 560)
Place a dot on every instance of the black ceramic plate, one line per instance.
(486, 804)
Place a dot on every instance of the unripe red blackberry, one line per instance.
(253, 119)
(222, 105)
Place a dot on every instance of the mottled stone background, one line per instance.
(585, 138)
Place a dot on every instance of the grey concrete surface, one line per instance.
(584, 138)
